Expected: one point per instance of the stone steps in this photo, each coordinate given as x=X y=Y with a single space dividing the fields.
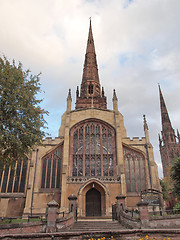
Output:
x=83 y=226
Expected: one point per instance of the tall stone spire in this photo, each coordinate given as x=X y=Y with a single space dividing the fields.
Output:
x=169 y=147
x=90 y=85
x=90 y=71
x=166 y=123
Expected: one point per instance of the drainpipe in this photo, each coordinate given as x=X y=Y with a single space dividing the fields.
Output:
x=32 y=198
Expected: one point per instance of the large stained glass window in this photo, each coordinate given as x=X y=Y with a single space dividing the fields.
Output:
x=135 y=170
x=51 y=168
x=93 y=149
x=13 y=179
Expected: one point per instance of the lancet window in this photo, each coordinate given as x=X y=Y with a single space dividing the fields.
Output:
x=93 y=149
x=90 y=89
x=135 y=170
x=13 y=178
x=51 y=168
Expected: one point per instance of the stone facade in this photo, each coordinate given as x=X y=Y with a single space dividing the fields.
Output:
x=91 y=158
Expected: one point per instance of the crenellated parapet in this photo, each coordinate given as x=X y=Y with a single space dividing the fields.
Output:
x=134 y=140
x=52 y=141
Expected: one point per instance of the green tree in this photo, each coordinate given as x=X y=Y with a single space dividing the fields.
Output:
x=21 y=117
x=165 y=185
x=175 y=175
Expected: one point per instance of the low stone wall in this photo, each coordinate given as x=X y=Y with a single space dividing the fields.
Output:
x=118 y=235
x=20 y=228
x=35 y=227
x=169 y=221
x=128 y=221
x=66 y=222
x=145 y=221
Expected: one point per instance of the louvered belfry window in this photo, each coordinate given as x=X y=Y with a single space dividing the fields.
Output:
x=135 y=170
x=51 y=168
x=92 y=149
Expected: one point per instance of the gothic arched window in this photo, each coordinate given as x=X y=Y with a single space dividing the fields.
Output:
x=135 y=170
x=13 y=179
x=93 y=149
x=51 y=168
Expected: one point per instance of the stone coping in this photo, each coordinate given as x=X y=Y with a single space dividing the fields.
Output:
x=12 y=195
x=66 y=234
x=20 y=225
x=177 y=216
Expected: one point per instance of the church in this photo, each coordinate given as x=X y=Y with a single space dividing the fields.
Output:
x=92 y=158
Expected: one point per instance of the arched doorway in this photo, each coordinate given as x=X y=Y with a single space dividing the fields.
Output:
x=93 y=203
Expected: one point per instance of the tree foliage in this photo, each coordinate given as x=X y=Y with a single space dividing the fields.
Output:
x=165 y=185
x=21 y=117
x=175 y=175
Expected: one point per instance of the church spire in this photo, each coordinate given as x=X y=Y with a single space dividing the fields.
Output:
x=90 y=71
x=166 y=123
x=90 y=85
x=169 y=148
x=90 y=43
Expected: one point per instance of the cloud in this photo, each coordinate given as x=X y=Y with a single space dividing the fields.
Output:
x=137 y=46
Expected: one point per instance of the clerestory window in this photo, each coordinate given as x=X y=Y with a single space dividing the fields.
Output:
x=93 y=149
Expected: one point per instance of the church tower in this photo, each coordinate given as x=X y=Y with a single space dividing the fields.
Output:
x=169 y=143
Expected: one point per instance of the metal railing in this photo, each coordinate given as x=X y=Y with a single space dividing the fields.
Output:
x=133 y=213
x=164 y=212
x=66 y=213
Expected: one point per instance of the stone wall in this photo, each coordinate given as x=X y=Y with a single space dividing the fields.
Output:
x=172 y=221
x=118 y=235
x=12 y=205
x=128 y=221
x=22 y=228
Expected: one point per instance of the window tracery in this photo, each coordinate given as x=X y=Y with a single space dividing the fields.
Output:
x=13 y=179
x=135 y=170
x=51 y=168
x=93 y=149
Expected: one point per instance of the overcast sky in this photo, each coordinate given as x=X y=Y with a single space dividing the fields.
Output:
x=137 y=46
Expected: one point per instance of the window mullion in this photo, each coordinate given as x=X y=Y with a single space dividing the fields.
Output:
x=7 y=182
x=135 y=173
x=57 y=159
x=101 y=150
x=95 y=155
x=14 y=176
x=84 y=148
x=77 y=159
x=2 y=176
x=22 y=162
x=46 y=172
x=107 y=150
x=130 y=172
x=50 y=181
x=90 y=149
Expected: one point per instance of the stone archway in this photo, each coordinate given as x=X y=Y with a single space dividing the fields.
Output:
x=93 y=188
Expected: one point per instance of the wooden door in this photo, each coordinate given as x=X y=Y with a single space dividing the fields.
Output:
x=93 y=203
